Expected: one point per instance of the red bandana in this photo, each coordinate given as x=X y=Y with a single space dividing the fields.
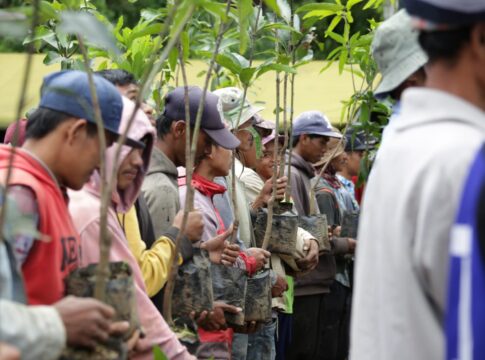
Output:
x=207 y=187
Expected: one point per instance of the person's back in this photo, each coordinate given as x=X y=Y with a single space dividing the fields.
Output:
x=411 y=202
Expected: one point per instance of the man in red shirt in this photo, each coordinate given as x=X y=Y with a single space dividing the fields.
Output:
x=61 y=151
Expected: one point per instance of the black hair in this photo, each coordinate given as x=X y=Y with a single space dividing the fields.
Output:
x=444 y=45
x=117 y=77
x=163 y=125
x=296 y=138
x=43 y=121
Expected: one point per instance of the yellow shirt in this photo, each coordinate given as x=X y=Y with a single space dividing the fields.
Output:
x=154 y=262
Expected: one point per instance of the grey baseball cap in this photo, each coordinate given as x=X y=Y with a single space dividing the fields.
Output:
x=231 y=99
x=314 y=123
x=445 y=14
x=396 y=51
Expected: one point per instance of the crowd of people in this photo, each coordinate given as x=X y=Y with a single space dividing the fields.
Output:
x=416 y=288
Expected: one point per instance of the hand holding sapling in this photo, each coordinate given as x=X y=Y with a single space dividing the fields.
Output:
x=220 y=252
x=266 y=192
x=86 y=320
x=262 y=256
x=194 y=227
x=310 y=261
x=279 y=287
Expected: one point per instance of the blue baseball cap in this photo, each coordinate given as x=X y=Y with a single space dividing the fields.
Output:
x=445 y=14
x=68 y=92
x=314 y=123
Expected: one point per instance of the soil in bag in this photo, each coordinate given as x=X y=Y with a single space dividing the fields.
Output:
x=258 y=297
x=283 y=232
x=120 y=294
x=193 y=288
x=317 y=225
x=350 y=224
x=229 y=285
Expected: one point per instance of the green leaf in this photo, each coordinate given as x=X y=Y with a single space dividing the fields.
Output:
x=280 y=8
x=245 y=10
x=346 y=32
x=52 y=58
x=173 y=58
x=276 y=67
x=185 y=42
x=351 y=3
x=321 y=14
x=85 y=24
x=47 y=11
x=335 y=21
x=343 y=60
x=320 y=6
x=338 y=38
x=229 y=62
x=158 y=354
x=150 y=15
x=246 y=75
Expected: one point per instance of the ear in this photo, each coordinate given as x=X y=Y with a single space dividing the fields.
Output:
x=304 y=138
x=75 y=130
x=478 y=40
x=178 y=129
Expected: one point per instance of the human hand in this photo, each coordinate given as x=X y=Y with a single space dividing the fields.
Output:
x=262 y=256
x=249 y=327
x=266 y=192
x=334 y=231
x=194 y=227
x=9 y=352
x=279 y=287
x=220 y=251
x=215 y=320
x=310 y=261
x=87 y=321
x=352 y=245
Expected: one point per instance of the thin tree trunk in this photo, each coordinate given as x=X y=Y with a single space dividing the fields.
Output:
x=20 y=107
x=190 y=156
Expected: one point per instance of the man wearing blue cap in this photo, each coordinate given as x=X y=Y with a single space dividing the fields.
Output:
x=61 y=151
x=311 y=339
x=412 y=198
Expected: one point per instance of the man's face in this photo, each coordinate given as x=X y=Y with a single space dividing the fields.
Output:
x=220 y=160
x=80 y=154
x=245 y=137
x=131 y=92
x=179 y=135
x=339 y=162
x=313 y=148
x=264 y=166
x=130 y=168
x=354 y=159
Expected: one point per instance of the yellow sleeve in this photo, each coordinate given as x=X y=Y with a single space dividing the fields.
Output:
x=154 y=262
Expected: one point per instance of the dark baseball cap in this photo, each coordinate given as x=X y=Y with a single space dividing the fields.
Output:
x=445 y=14
x=69 y=92
x=211 y=121
x=314 y=123
x=356 y=141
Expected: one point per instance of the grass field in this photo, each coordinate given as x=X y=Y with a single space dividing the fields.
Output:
x=314 y=91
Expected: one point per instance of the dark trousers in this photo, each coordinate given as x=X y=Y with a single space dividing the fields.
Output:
x=321 y=326
x=283 y=335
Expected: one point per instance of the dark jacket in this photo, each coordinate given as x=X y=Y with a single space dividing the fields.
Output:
x=319 y=280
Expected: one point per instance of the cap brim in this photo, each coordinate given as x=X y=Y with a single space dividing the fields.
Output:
x=223 y=137
x=331 y=134
x=400 y=73
x=128 y=142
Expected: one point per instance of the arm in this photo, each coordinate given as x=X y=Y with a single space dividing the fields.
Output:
x=154 y=262
x=37 y=331
x=163 y=205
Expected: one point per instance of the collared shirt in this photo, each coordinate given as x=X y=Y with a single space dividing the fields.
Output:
x=410 y=205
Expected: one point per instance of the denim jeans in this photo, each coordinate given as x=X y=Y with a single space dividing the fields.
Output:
x=261 y=344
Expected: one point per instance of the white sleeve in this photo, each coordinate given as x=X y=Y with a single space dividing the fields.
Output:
x=36 y=331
